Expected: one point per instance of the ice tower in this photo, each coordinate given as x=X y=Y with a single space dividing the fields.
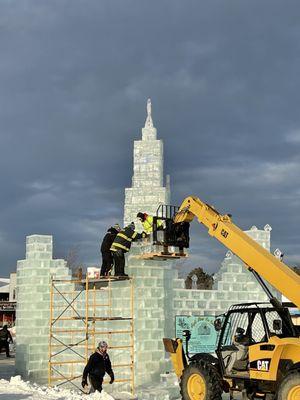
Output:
x=148 y=188
x=33 y=306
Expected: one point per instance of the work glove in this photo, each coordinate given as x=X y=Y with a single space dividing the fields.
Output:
x=144 y=235
x=84 y=384
x=112 y=378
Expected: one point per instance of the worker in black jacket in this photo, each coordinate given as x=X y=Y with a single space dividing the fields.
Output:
x=98 y=364
x=107 y=258
x=121 y=245
x=5 y=337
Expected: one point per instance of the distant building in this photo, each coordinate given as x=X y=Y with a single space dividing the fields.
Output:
x=8 y=300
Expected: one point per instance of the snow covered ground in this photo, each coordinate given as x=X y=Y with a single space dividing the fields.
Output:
x=16 y=389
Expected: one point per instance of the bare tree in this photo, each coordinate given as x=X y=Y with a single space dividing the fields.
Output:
x=73 y=260
x=205 y=281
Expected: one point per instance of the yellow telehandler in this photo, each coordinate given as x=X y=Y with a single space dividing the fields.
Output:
x=258 y=349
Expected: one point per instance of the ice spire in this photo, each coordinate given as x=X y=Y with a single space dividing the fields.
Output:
x=149 y=131
x=149 y=122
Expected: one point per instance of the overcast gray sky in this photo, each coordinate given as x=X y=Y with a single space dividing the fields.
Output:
x=74 y=79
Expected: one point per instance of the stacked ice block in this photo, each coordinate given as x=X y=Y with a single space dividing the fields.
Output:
x=153 y=282
x=33 y=306
x=233 y=284
x=148 y=189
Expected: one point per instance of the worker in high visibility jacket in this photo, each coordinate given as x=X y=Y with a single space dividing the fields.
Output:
x=121 y=245
x=147 y=222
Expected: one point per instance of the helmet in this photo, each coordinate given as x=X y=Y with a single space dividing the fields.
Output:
x=141 y=216
x=102 y=344
x=132 y=225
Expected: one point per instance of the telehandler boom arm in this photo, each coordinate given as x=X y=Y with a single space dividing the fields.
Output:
x=256 y=258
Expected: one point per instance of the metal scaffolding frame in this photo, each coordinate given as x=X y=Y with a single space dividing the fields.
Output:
x=74 y=332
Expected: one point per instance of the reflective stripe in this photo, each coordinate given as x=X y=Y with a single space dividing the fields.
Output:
x=123 y=240
x=119 y=246
x=134 y=235
x=125 y=237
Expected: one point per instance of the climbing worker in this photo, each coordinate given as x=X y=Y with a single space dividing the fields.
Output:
x=98 y=364
x=107 y=258
x=147 y=222
x=121 y=245
x=5 y=337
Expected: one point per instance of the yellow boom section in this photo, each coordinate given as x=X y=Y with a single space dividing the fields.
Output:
x=274 y=271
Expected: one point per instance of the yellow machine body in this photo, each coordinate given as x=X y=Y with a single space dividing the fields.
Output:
x=268 y=361
x=174 y=347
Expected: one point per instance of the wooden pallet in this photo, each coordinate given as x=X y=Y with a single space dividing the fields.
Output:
x=161 y=256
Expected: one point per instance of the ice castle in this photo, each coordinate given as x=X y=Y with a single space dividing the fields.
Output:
x=159 y=295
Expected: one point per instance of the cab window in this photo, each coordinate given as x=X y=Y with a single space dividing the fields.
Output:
x=235 y=321
x=258 y=333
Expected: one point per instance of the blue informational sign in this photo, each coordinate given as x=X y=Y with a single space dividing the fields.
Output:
x=203 y=334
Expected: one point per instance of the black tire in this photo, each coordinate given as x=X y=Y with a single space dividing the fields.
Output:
x=289 y=386
x=207 y=374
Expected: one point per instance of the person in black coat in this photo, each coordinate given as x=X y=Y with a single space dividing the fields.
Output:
x=98 y=364
x=5 y=337
x=107 y=258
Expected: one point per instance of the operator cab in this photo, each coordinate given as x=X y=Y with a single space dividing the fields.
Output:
x=246 y=328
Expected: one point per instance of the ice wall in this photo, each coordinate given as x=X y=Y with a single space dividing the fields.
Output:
x=159 y=295
x=153 y=300
x=33 y=306
x=233 y=283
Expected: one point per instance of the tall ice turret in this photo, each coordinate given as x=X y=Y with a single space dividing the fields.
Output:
x=148 y=189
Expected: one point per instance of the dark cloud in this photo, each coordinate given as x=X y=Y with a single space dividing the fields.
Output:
x=74 y=78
